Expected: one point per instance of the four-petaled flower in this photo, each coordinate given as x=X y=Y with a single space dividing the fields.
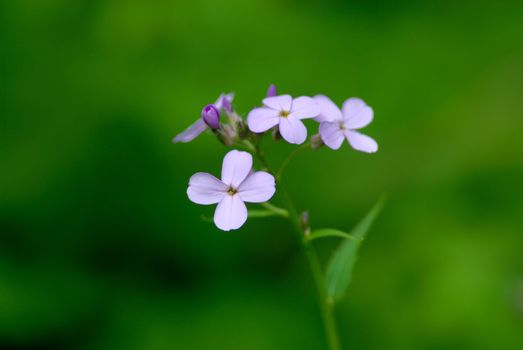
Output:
x=336 y=124
x=285 y=112
x=238 y=184
x=222 y=103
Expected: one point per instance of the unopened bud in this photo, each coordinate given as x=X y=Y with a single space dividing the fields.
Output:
x=316 y=141
x=226 y=104
x=229 y=135
x=304 y=222
x=211 y=116
x=272 y=91
x=234 y=118
x=243 y=131
x=225 y=135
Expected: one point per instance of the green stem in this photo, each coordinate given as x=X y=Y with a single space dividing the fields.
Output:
x=276 y=210
x=291 y=156
x=326 y=307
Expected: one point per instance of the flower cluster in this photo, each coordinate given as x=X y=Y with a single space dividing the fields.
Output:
x=283 y=115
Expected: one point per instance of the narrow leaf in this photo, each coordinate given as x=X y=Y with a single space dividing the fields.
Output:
x=328 y=232
x=339 y=269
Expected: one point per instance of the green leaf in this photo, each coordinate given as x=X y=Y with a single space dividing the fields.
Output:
x=328 y=232
x=339 y=269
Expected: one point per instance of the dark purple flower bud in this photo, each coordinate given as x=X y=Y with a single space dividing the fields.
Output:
x=272 y=91
x=211 y=116
x=304 y=222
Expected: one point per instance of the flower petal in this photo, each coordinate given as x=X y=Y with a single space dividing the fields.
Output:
x=257 y=187
x=235 y=168
x=356 y=113
x=361 y=142
x=231 y=213
x=205 y=189
x=331 y=134
x=191 y=132
x=279 y=103
x=328 y=110
x=305 y=107
x=292 y=130
x=262 y=119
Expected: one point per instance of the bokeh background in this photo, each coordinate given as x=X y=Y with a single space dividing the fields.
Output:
x=100 y=248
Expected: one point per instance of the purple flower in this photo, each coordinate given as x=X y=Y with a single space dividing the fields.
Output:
x=285 y=112
x=239 y=184
x=271 y=92
x=336 y=124
x=211 y=116
x=200 y=126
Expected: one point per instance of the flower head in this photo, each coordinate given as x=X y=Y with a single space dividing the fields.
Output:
x=337 y=125
x=238 y=184
x=285 y=112
x=222 y=103
x=211 y=116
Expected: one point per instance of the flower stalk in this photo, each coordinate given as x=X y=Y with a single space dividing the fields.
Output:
x=291 y=156
x=326 y=306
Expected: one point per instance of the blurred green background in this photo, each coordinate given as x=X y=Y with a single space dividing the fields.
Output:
x=101 y=249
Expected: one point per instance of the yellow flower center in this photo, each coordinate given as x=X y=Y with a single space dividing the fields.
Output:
x=284 y=114
x=231 y=191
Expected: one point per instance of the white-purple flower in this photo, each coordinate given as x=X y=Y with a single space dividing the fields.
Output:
x=238 y=184
x=337 y=125
x=222 y=103
x=285 y=112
